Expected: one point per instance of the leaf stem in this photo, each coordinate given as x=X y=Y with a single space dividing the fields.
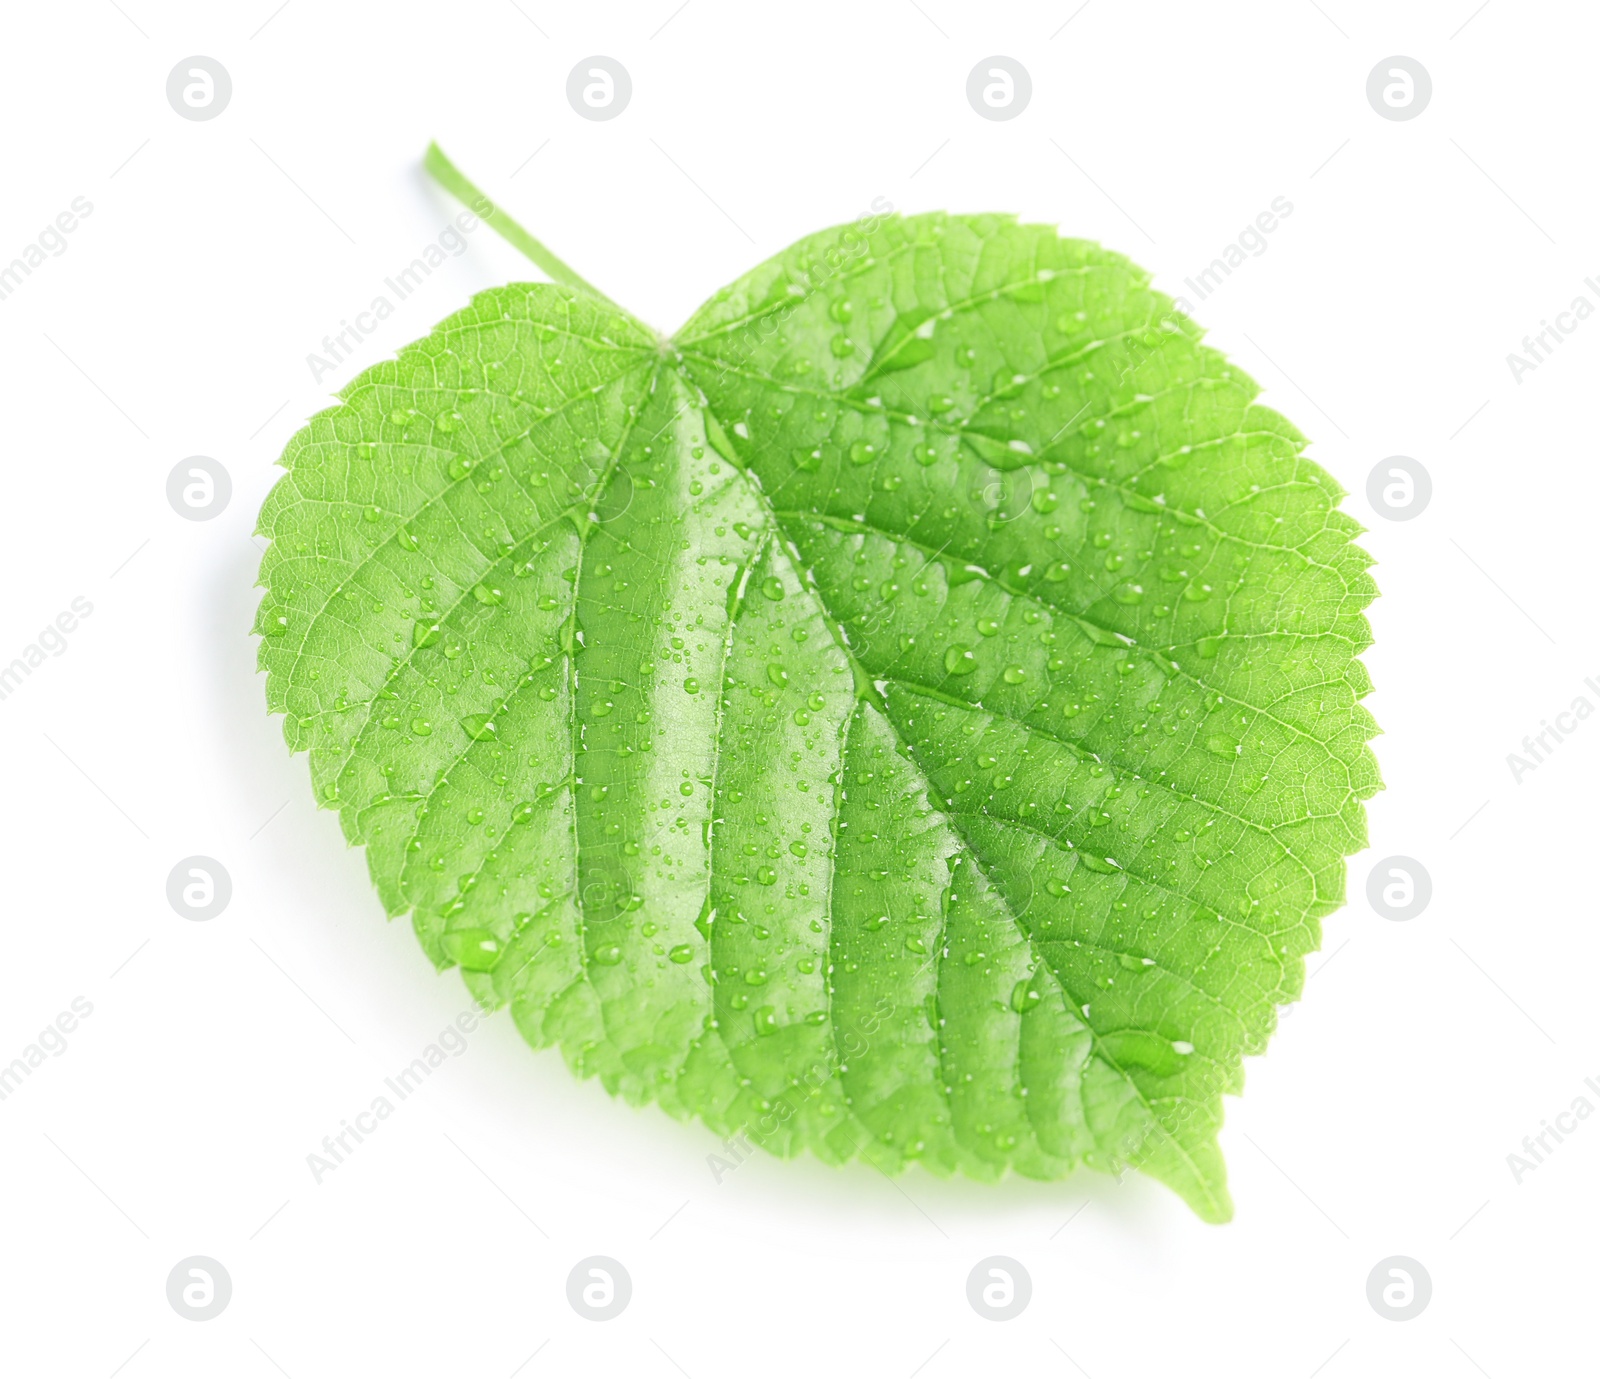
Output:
x=454 y=181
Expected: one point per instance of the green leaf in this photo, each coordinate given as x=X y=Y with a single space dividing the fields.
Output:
x=912 y=714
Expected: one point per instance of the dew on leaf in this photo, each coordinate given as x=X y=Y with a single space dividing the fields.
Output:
x=931 y=838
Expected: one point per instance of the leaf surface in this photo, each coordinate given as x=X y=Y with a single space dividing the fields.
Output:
x=913 y=714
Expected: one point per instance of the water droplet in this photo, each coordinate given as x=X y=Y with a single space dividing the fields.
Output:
x=477 y=950
x=772 y=588
x=680 y=953
x=1140 y=1049
x=424 y=633
x=479 y=727
x=778 y=675
x=488 y=594
x=1024 y=996
x=691 y=686
x=863 y=452
x=959 y=660
x=1223 y=746
x=608 y=956
x=1014 y=675
x=421 y=727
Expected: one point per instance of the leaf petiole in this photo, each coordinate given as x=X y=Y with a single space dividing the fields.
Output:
x=454 y=181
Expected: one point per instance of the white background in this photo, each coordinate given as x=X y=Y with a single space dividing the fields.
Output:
x=219 y=1054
